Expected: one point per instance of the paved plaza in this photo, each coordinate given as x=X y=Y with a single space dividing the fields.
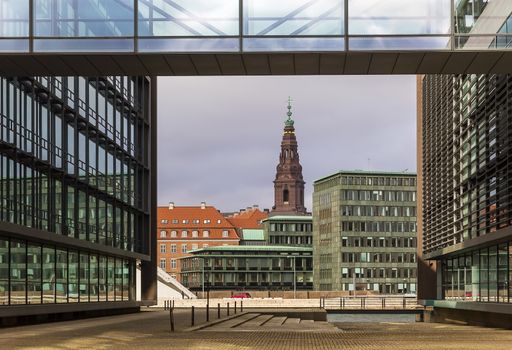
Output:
x=150 y=330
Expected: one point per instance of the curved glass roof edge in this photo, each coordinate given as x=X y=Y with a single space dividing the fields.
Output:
x=253 y=26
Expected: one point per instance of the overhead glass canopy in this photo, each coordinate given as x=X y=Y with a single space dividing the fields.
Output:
x=160 y=26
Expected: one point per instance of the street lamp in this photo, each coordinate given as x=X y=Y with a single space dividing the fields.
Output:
x=294 y=276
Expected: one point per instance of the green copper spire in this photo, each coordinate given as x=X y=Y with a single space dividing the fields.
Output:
x=289 y=121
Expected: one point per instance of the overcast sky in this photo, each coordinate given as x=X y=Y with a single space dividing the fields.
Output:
x=219 y=137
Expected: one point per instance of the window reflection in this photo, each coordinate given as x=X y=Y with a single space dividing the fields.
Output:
x=483 y=275
x=188 y=18
x=18 y=273
x=293 y=17
x=377 y=17
x=43 y=274
x=84 y=18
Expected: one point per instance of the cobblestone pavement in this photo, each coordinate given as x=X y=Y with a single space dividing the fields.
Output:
x=150 y=330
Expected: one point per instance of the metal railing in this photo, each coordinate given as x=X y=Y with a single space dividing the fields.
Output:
x=370 y=303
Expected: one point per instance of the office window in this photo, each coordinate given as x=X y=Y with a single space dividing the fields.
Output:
x=195 y=234
x=174 y=234
x=183 y=248
x=162 y=263
x=196 y=221
x=164 y=221
x=184 y=234
x=206 y=233
x=162 y=248
x=175 y=221
x=173 y=263
x=225 y=234
x=163 y=234
x=195 y=246
x=173 y=248
x=184 y=221
x=206 y=221
x=219 y=221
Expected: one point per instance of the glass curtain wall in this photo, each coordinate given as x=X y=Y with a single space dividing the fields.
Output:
x=93 y=140
x=483 y=275
x=46 y=274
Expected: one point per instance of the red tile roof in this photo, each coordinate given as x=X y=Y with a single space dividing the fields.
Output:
x=248 y=219
x=195 y=218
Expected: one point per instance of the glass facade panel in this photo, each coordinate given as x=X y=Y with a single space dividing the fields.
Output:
x=62 y=276
x=4 y=271
x=14 y=18
x=376 y=17
x=44 y=274
x=93 y=278
x=84 y=18
x=18 y=283
x=118 y=279
x=110 y=279
x=49 y=275
x=188 y=18
x=73 y=287
x=481 y=275
x=293 y=17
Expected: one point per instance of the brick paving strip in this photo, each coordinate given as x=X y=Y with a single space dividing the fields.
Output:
x=150 y=330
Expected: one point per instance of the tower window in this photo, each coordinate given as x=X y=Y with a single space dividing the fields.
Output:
x=286 y=196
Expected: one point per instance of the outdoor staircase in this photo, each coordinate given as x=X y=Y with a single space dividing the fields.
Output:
x=254 y=322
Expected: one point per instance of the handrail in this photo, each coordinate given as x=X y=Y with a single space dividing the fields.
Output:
x=389 y=302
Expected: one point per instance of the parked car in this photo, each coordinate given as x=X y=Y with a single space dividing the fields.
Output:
x=243 y=295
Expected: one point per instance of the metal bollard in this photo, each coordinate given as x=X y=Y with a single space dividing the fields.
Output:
x=192 y=320
x=171 y=318
x=207 y=312
x=228 y=308
x=241 y=306
x=218 y=311
x=235 y=307
x=404 y=303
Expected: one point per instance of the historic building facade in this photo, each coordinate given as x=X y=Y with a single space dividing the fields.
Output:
x=77 y=190
x=467 y=202
x=182 y=229
x=364 y=232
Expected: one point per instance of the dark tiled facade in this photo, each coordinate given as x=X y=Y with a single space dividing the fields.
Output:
x=467 y=188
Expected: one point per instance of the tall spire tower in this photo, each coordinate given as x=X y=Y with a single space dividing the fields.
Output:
x=289 y=184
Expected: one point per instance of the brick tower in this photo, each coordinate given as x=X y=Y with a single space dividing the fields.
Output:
x=289 y=184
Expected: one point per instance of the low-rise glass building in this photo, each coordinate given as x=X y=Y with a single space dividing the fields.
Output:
x=248 y=267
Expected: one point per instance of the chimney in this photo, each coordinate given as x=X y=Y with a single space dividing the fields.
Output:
x=203 y=205
x=255 y=206
x=171 y=205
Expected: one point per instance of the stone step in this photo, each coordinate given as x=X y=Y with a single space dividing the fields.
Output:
x=292 y=321
x=232 y=323
x=275 y=322
x=256 y=322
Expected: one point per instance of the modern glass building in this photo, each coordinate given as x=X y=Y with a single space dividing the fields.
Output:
x=364 y=232
x=467 y=152
x=76 y=193
x=248 y=267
